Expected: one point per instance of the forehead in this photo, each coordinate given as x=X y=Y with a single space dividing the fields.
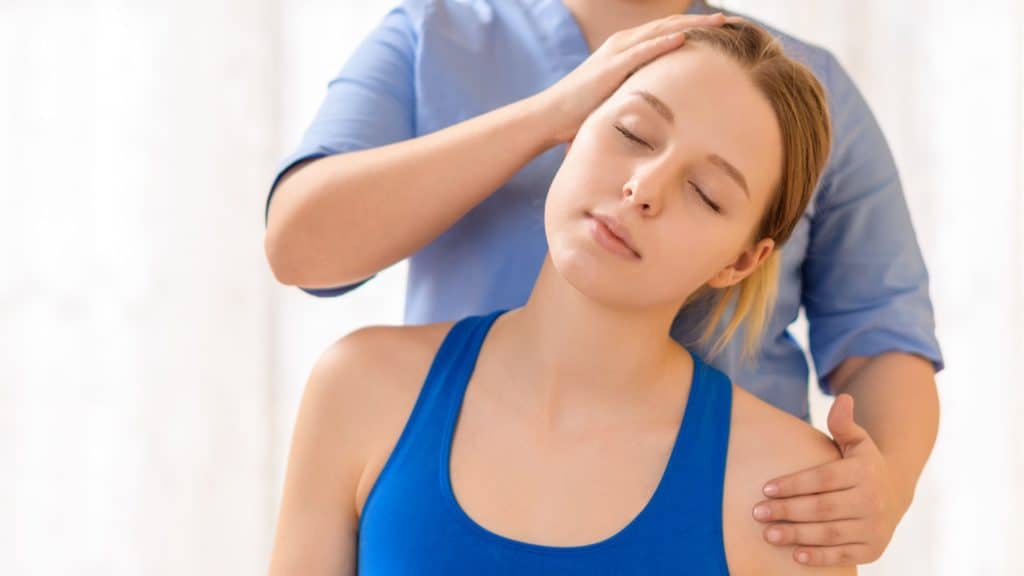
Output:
x=717 y=109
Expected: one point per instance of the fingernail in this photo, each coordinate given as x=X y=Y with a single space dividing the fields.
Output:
x=761 y=512
x=802 y=557
x=771 y=489
x=774 y=535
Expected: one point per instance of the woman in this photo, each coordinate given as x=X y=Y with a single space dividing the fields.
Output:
x=573 y=434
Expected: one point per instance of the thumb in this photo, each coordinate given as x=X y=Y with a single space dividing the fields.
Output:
x=841 y=425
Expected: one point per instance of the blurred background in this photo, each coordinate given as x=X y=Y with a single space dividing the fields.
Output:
x=151 y=366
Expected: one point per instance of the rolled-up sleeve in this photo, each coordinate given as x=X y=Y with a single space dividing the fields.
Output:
x=865 y=285
x=369 y=103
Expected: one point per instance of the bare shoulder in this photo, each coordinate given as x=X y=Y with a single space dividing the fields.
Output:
x=375 y=359
x=775 y=440
x=765 y=442
x=358 y=394
x=372 y=378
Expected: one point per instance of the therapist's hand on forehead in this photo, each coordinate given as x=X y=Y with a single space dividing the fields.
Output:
x=576 y=95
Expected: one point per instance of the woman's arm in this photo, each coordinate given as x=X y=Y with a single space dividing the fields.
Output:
x=317 y=523
x=342 y=218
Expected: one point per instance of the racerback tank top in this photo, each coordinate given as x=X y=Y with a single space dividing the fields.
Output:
x=411 y=522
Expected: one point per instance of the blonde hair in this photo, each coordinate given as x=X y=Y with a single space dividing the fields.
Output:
x=801 y=110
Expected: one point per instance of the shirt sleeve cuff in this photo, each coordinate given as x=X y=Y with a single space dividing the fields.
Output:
x=284 y=167
x=872 y=344
x=335 y=291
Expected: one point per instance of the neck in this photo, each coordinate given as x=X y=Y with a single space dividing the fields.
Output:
x=573 y=351
x=599 y=20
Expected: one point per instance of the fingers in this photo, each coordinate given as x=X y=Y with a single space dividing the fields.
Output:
x=846 y=555
x=667 y=25
x=835 y=475
x=677 y=22
x=648 y=50
x=816 y=508
x=814 y=534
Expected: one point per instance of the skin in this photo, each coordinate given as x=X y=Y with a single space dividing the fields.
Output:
x=548 y=442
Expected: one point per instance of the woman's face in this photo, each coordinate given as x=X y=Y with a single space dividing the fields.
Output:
x=685 y=134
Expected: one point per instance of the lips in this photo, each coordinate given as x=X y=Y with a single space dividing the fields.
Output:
x=617 y=231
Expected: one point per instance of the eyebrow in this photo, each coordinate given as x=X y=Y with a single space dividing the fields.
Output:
x=665 y=112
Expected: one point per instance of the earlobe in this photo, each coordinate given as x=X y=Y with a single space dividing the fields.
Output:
x=744 y=265
x=723 y=279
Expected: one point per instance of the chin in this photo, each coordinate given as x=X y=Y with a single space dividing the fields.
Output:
x=592 y=271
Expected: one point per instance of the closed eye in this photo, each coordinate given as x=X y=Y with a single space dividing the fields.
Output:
x=633 y=137
x=715 y=207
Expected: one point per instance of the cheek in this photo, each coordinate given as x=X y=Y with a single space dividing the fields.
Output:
x=563 y=207
x=690 y=251
x=559 y=199
x=586 y=177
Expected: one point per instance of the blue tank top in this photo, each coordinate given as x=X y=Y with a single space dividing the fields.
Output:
x=412 y=524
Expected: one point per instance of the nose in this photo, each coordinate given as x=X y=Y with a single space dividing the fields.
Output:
x=644 y=193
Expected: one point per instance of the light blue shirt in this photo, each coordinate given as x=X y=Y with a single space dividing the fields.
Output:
x=853 y=261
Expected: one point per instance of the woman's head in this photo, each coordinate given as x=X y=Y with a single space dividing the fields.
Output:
x=706 y=157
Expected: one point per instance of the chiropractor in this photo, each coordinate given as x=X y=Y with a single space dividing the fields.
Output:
x=437 y=142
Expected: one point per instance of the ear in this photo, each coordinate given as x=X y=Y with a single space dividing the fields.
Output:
x=744 y=265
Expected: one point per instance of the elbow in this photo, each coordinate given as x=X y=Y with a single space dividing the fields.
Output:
x=280 y=244
x=282 y=264
x=292 y=266
x=274 y=236
x=298 y=258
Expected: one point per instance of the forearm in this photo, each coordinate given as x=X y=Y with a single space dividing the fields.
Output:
x=897 y=402
x=345 y=217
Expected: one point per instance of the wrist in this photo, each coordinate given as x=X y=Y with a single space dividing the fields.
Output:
x=544 y=120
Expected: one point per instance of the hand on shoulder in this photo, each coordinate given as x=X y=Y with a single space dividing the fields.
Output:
x=766 y=442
